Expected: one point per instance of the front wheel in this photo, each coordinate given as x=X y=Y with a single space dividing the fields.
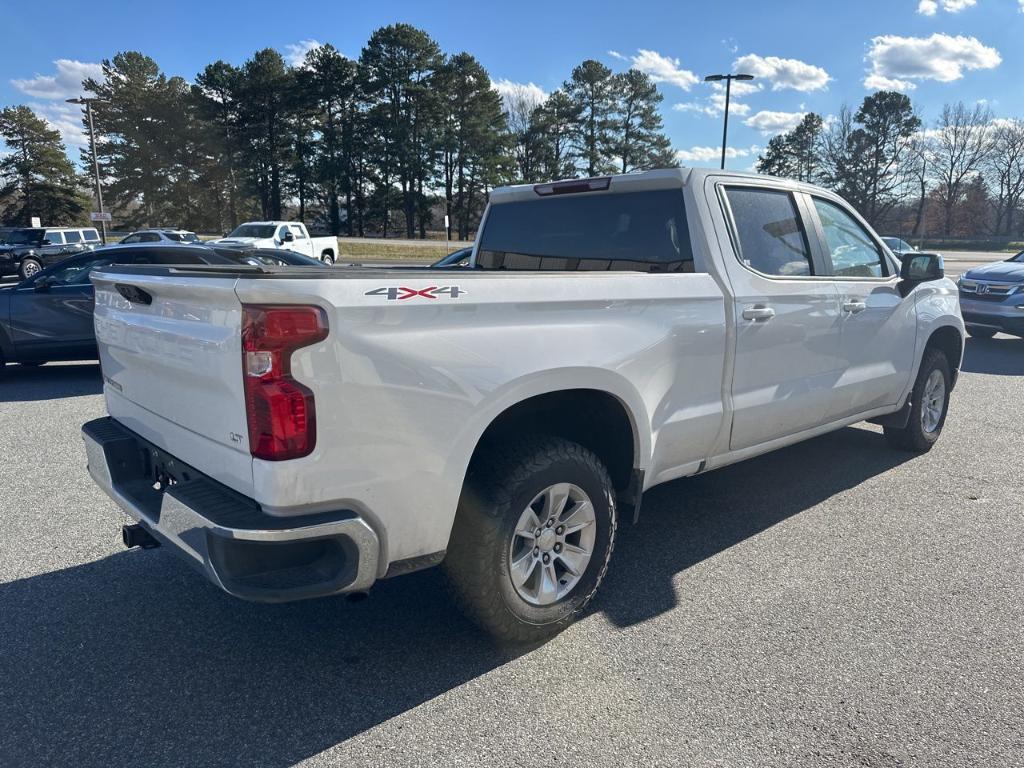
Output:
x=532 y=538
x=929 y=402
x=29 y=267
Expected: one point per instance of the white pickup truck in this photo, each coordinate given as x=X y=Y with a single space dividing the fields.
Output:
x=295 y=434
x=284 y=235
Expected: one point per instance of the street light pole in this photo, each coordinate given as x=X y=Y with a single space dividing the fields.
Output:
x=728 y=92
x=95 y=161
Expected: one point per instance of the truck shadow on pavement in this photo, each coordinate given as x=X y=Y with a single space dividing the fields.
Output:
x=998 y=356
x=20 y=384
x=133 y=659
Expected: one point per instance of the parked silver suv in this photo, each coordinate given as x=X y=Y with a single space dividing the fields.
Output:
x=992 y=298
x=178 y=236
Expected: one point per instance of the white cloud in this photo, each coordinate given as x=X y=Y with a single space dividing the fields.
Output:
x=295 y=53
x=529 y=94
x=67 y=120
x=715 y=104
x=783 y=73
x=895 y=60
x=929 y=7
x=65 y=83
x=663 y=69
x=621 y=57
x=882 y=83
x=695 y=106
x=707 y=154
x=769 y=123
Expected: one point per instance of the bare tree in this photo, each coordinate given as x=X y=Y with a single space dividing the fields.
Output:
x=520 y=103
x=957 y=152
x=1005 y=172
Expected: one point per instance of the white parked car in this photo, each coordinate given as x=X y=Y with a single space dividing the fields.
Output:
x=287 y=235
x=161 y=236
x=295 y=433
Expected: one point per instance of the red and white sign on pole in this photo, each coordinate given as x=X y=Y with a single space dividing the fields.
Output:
x=99 y=216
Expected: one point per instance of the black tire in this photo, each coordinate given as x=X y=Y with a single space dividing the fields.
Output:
x=327 y=258
x=914 y=437
x=498 y=490
x=980 y=333
x=28 y=268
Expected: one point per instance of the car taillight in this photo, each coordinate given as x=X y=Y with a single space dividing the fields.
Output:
x=280 y=411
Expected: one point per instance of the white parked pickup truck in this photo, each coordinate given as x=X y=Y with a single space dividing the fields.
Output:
x=296 y=434
x=285 y=235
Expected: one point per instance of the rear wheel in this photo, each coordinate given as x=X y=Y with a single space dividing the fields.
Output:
x=327 y=258
x=28 y=268
x=929 y=402
x=532 y=538
x=980 y=333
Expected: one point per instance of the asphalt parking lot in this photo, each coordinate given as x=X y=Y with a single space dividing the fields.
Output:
x=835 y=603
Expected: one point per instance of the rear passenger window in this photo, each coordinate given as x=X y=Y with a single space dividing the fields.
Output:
x=771 y=237
x=91 y=236
x=54 y=238
x=73 y=236
x=638 y=231
x=853 y=252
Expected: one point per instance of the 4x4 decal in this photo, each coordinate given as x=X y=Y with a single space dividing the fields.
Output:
x=401 y=293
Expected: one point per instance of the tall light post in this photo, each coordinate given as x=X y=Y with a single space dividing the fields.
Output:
x=728 y=89
x=95 y=161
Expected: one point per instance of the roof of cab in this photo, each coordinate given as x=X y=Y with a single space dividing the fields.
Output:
x=663 y=178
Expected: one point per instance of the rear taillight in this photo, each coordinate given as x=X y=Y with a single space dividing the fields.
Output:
x=280 y=411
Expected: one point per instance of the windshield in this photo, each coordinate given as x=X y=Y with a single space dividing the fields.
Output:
x=25 y=236
x=1018 y=258
x=254 y=230
x=183 y=237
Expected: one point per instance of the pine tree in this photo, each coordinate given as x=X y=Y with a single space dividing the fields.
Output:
x=555 y=124
x=796 y=154
x=36 y=177
x=473 y=132
x=638 y=141
x=591 y=89
x=399 y=65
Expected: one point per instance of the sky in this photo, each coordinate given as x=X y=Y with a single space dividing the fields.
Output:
x=806 y=56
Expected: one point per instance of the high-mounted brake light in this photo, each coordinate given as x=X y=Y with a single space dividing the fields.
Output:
x=281 y=412
x=569 y=187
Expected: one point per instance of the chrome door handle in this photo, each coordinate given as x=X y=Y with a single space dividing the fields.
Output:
x=758 y=313
x=854 y=306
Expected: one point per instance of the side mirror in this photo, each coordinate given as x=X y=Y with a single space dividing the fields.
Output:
x=289 y=237
x=921 y=267
x=42 y=285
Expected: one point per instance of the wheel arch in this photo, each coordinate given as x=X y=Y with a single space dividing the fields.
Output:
x=603 y=415
x=949 y=340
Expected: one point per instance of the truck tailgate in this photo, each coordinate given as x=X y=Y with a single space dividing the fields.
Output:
x=172 y=368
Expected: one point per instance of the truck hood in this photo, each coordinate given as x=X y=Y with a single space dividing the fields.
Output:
x=238 y=242
x=1008 y=271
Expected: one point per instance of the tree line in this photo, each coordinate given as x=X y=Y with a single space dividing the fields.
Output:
x=388 y=142
x=961 y=176
x=405 y=134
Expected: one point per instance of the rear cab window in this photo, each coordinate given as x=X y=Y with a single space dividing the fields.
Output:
x=600 y=231
x=770 y=235
x=91 y=235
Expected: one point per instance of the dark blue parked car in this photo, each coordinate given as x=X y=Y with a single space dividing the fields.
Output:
x=49 y=315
